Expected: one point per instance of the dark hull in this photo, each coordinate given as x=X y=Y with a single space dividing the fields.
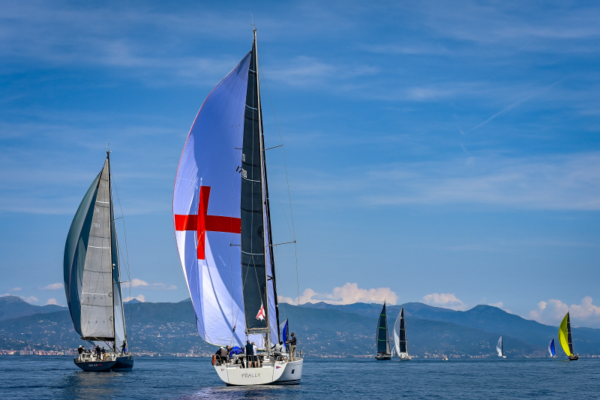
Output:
x=383 y=357
x=573 y=358
x=124 y=363
x=96 y=366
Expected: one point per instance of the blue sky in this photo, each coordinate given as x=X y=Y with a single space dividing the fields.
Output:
x=438 y=152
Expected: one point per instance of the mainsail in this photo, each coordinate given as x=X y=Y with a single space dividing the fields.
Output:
x=564 y=335
x=382 y=336
x=400 y=342
x=221 y=214
x=91 y=266
x=500 y=347
x=551 y=349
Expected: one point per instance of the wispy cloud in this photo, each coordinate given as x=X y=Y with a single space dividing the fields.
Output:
x=53 y=286
x=15 y=289
x=444 y=300
x=51 y=302
x=138 y=283
x=348 y=294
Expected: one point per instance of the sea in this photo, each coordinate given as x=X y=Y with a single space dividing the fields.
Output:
x=47 y=377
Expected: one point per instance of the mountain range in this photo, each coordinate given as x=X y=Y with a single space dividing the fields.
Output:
x=323 y=329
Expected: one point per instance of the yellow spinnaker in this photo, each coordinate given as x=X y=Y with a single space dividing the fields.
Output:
x=563 y=335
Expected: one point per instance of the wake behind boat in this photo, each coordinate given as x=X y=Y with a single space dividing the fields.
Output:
x=382 y=337
x=93 y=279
x=223 y=232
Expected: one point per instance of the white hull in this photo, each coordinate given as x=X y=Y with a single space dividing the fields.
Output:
x=278 y=373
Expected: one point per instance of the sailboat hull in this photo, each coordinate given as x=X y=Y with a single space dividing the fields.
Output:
x=279 y=373
x=573 y=358
x=383 y=357
x=124 y=363
x=95 y=366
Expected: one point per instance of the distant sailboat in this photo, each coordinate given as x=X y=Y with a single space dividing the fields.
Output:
x=382 y=337
x=565 y=339
x=93 y=278
x=400 y=343
x=551 y=349
x=222 y=222
x=500 y=347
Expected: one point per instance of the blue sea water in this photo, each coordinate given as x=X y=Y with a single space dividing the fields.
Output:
x=37 y=377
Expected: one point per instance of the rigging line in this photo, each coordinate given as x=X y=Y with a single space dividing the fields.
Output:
x=289 y=193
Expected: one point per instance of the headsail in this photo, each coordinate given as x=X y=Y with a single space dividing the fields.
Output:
x=564 y=335
x=221 y=215
x=91 y=266
x=500 y=347
x=551 y=349
x=382 y=336
x=400 y=342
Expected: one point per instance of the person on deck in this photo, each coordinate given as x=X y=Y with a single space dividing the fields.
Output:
x=292 y=343
x=256 y=356
x=124 y=347
x=97 y=350
x=249 y=354
x=277 y=349
x=223 y=354
x=103 y=353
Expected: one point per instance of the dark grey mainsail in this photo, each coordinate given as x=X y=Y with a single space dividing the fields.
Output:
x=570 y=339
x=402 y=345
x=255 y=219
x=383 y=337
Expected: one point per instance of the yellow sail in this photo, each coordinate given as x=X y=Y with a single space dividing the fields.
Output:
x=563 y=335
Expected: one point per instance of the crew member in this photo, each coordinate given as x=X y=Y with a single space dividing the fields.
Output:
x=292 y=343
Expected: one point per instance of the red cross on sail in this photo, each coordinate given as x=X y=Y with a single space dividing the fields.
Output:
x=261 y=313
x=202 y=222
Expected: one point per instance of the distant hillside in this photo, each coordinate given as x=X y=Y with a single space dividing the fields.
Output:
x=484 y=318
x=322 y=330
x=14 y=307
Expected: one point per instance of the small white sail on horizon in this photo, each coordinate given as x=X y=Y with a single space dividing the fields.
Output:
x=500 y=347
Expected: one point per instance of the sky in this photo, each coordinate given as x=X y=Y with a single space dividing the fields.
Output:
x=436 y=151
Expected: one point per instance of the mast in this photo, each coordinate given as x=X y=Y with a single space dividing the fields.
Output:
x=112 y=250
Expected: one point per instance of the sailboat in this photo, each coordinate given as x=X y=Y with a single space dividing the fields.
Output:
x=382 y=337
x=400 y=344
x=551 y=349
x=565 y=338
x=223 y=231
x=93 y=278
x=500 y=347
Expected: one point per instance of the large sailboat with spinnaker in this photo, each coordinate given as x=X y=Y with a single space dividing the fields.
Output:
x=93 y=278
x=223 y=231
x=566 y=339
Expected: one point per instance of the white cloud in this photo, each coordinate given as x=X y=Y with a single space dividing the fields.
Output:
x=30 y=299
x=444 y=300
x=138 y=298
x=16 y=289
x=54 y=286
x=553 y=311
x=138 y=283
x=347 y=294
x=51 y=302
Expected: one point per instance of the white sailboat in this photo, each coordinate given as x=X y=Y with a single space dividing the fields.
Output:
x=223 y=231
x=93 y=278
x=500 y=347
x=400 y=343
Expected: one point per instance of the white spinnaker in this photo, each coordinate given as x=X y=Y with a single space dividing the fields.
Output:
x=96 y=294
x=212 y=158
